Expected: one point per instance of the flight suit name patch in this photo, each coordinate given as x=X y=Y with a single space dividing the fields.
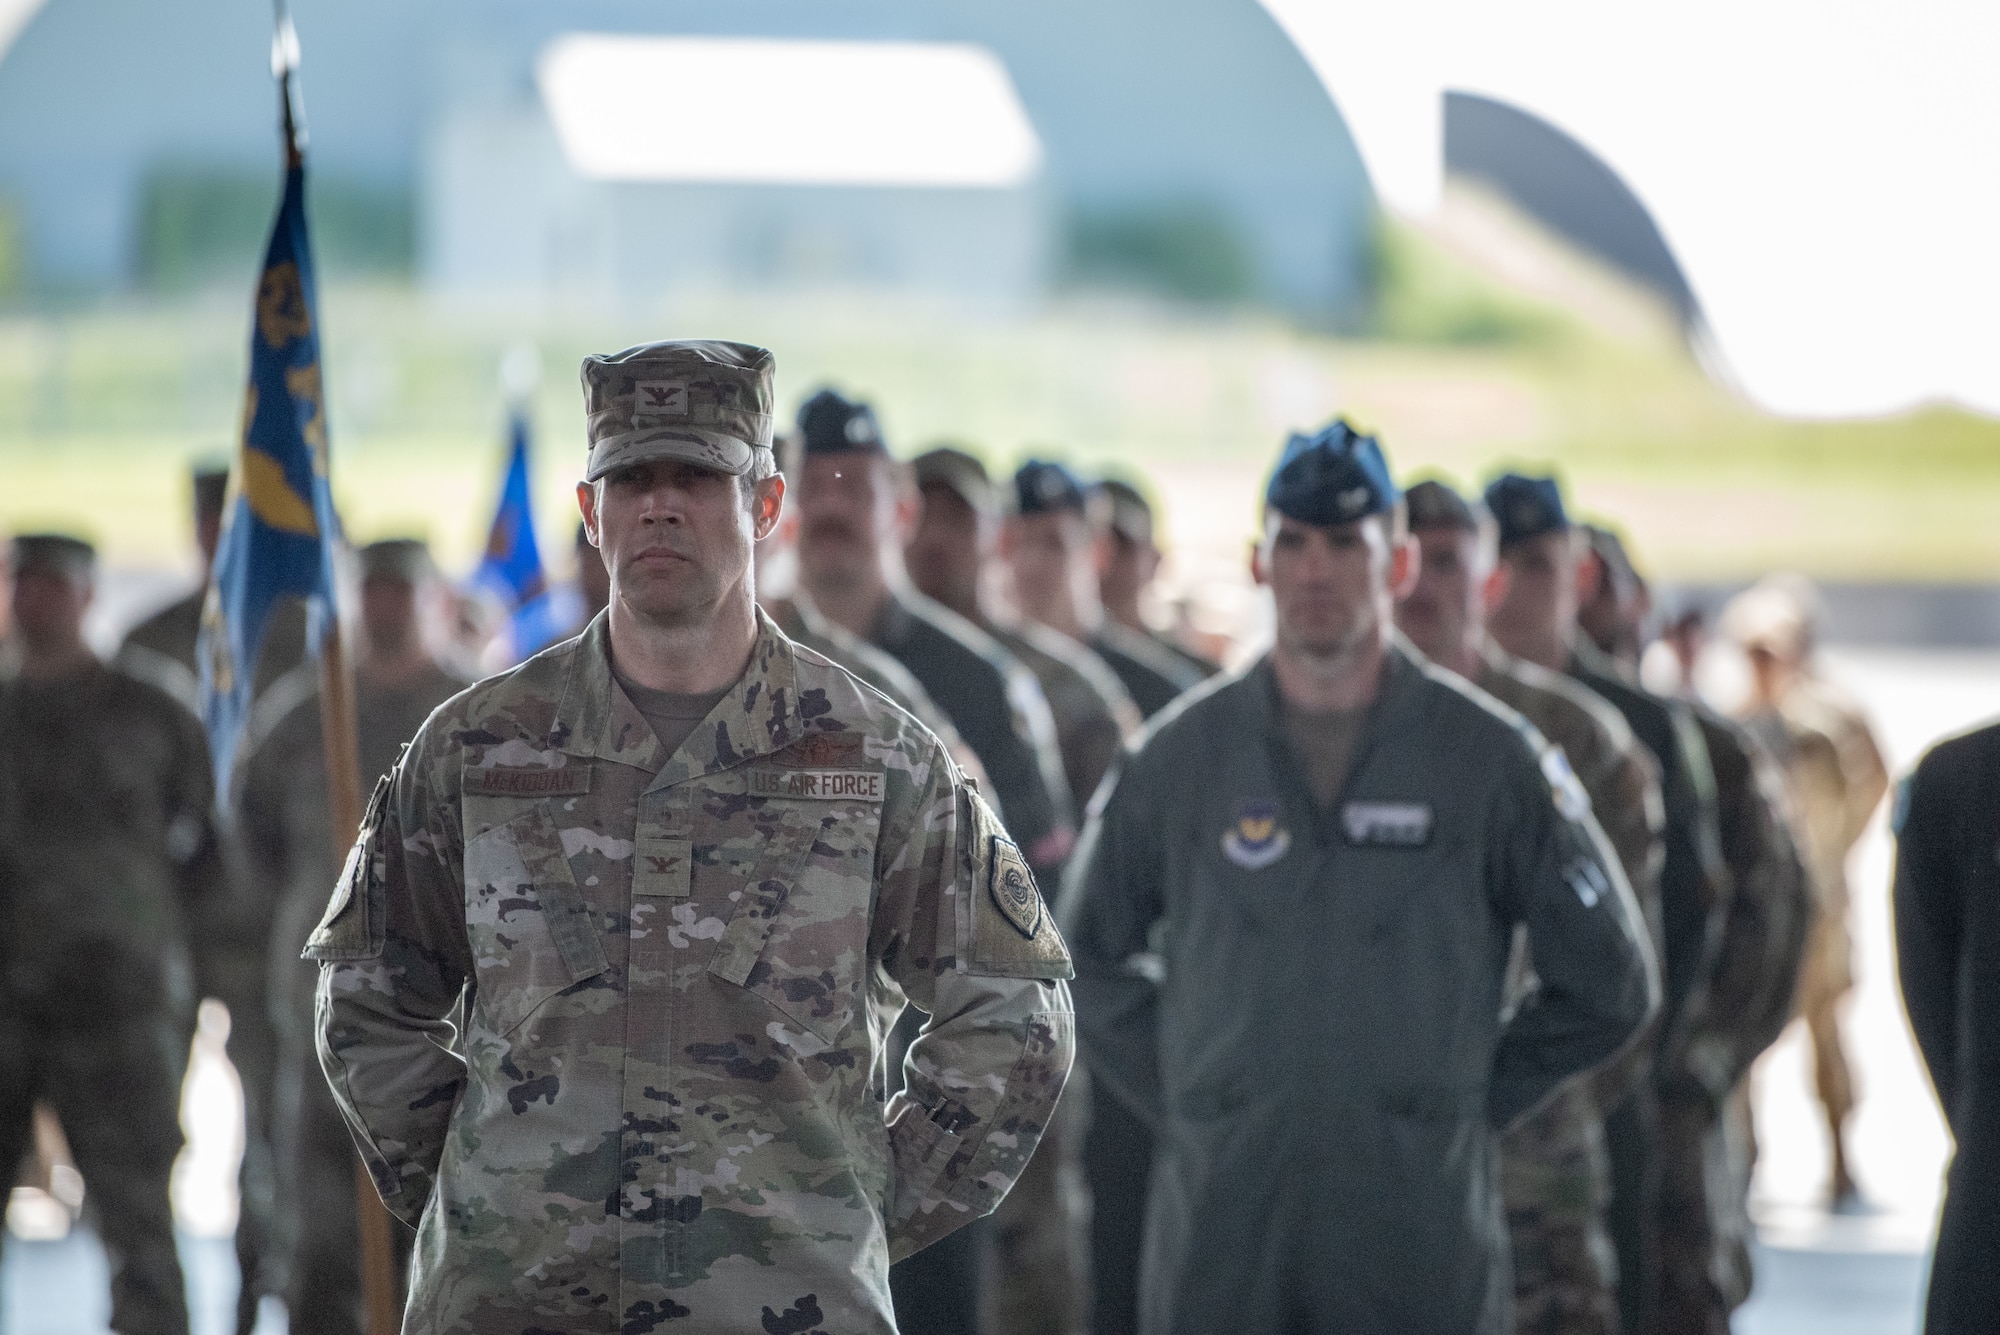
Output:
x=1256 y=840
x=1387 y=824
x=859 y=785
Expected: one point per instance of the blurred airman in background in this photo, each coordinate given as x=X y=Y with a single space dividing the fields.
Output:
x=282 y=809
x=1128 y=560
x=112 y=865
x=1837 y=777
x=1555 y=1176
x=1049 y=542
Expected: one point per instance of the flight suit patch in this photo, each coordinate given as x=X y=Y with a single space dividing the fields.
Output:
x=1256 y=840
x=1387 y=824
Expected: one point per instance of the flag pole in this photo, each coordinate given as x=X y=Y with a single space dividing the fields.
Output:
x=340 y=741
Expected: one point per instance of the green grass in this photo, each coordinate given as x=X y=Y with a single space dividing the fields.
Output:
x=101 y=409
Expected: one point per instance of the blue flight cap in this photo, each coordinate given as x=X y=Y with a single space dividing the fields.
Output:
x=832 y=423
x=1336 y=477
x=1042 y=487
x=1526 y=507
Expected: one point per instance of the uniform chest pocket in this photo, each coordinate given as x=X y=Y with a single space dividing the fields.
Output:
x=530 y=928
x=799 y=934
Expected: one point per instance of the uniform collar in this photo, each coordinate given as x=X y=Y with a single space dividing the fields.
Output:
x=1398 y=699
x=760 y=714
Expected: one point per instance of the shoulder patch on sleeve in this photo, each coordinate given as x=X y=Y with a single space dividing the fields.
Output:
x=1571 y=799
x=355 y=924
x=1012 y=934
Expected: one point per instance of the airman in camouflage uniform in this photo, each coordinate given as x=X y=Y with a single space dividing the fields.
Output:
x=679 y=962
x=1554 y=1173
x=1049 y=544
x=1128 y=560
x=1836 y=777
x=948 y=554
x=230 y=960
x=1737 y=1007
x=112 y=863
x=1039 y=1283
x=1536 y=619
x=282 y=816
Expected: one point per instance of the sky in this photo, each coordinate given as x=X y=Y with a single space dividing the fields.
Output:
x=1827 y=172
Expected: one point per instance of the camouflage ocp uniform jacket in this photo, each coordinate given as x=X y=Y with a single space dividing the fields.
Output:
x=669 y=1099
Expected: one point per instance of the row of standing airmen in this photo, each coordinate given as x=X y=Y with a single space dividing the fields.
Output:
x=1625 y=1194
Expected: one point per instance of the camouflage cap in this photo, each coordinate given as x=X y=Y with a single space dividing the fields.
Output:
x=961 y=473
x=397 y=558
x=1779 y=613
x=708 y=403
x=53 y=554
x=1435 y=504
x=1127 y=512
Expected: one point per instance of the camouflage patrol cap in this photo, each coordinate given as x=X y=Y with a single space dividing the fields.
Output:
x=1126 y=511
x=1336 y=477
x=1435 y=504
x=52 y=554
x=397 y=558
x=708 y=403
x=1526 y=507
x=952 y=468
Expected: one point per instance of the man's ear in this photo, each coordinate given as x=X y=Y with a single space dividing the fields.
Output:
x=1497 y=581
x=767 y=507
x=1260 y=569
x=1406 y=562
x=586 y=504
x=1589 y=576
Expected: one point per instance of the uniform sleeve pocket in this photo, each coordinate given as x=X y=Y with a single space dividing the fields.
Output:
x=799 y=934
x=355 y=926
x=532 y=934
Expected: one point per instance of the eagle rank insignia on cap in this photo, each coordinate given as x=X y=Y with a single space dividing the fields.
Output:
x=1256 y=839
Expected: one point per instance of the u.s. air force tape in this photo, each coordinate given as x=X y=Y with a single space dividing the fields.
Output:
x=859 y=785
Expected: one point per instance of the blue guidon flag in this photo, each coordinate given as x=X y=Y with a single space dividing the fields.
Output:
x=512 y=567
x=279 y=522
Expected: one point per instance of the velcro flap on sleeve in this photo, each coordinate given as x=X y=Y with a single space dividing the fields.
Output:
x=1008 y=929
x=354 y=926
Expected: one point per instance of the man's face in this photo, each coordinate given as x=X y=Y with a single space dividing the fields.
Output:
x=1447 y=600
x=1540 y=603
x=676 y=537
x=49 y=607
x=946 y=548
x=847 y=512
x=389 y=613
x=1047 y=551
x=1331 y=585
x=1124 y=567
